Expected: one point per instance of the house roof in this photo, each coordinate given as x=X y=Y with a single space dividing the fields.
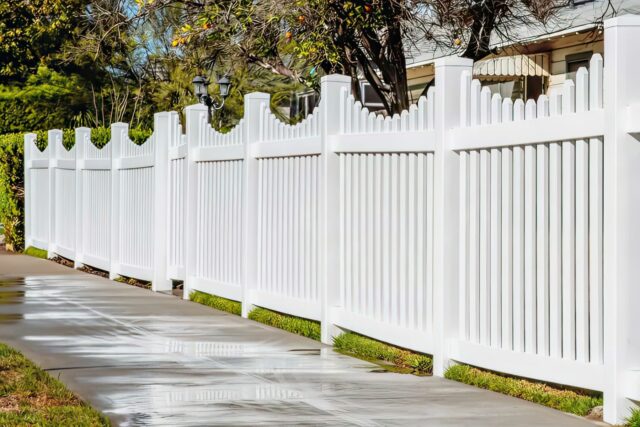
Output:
x=579 y=17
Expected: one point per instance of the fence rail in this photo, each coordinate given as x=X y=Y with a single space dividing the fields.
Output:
x=483 y=231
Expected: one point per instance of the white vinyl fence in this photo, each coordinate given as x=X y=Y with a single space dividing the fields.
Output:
x=500 y=234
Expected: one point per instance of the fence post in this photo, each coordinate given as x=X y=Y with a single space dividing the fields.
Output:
x=446 y=202
x=54 y=140
x=331 y=88
x=119 y=131
x=196 y=116
x=29 y=142
x=83 y=137
x=621 y=211
x=253 y=104
x=162 y=132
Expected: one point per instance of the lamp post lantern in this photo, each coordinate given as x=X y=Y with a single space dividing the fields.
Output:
x=200 y=89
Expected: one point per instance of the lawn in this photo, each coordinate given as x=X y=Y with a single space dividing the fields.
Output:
x=29 y=396
x=214 y=301
x=397 y=359
x=572 y=401
x=35 y=252
x=297 y=325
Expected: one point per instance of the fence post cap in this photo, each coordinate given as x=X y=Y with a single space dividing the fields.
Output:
x=337 y=78
x=453 y=61
x=257 y=95
x=623 y=21
x=196 y=107
x=162 y=114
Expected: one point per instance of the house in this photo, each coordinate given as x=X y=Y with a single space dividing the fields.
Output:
x=537 y=62
x=542 y=57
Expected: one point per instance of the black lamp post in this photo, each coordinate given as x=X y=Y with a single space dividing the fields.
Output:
x=200 y=88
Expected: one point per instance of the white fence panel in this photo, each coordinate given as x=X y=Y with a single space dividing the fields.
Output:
x=37 y=183
x=386 y=223
x=177 y=203
x=288 y=252
x=531 y=230
x=219 y=215
x=94 y=199
x=218 y=185
x=64 y=202
x=288 y=255
x=133 y=178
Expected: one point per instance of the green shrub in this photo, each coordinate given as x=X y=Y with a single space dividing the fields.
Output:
x=68 y=138
x=12 y=189
x=101 y=136
x=35 y=252
x=297 y=325
x=219 y=303
x=571 y=401
x=634 y=418
x=46 y=100
x=369 y=349
x=139 y=136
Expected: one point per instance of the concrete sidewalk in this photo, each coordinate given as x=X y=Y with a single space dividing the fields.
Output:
x=151 y=359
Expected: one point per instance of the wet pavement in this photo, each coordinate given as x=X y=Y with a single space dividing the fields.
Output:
x=151 y=359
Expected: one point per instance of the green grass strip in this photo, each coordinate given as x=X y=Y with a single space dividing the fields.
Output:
x=297 y=325
x=219 y=303
x=562 y=399
x=29 y=396
x=366 y=348
x=35 y=252
x=634 y=418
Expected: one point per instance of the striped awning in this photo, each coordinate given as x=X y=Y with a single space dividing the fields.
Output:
x=512 y=66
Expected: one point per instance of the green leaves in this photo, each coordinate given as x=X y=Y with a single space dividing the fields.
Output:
x=12 y=189
x=297 y=325
x=563 y=399
x=369 y=349
x=33 y=32
x=47 y=100
x=219 y=303
x=634 y=418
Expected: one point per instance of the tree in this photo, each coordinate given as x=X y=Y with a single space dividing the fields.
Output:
x=301 y=40
x=33 y=32
x=366 y=38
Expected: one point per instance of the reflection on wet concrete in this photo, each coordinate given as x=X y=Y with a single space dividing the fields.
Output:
x=150 y=359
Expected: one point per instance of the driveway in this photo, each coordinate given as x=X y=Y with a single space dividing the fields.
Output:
x=151 y=359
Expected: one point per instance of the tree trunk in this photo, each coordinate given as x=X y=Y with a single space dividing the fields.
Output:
x=484 y=15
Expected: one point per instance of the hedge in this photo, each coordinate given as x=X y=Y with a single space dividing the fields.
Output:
x=47 y=100
x=12 y=175
x=12 y=190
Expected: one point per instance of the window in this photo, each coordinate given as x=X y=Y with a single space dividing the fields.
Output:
x=521 y=87
x=303 y=104
x=370 y=98
x=575 y=62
